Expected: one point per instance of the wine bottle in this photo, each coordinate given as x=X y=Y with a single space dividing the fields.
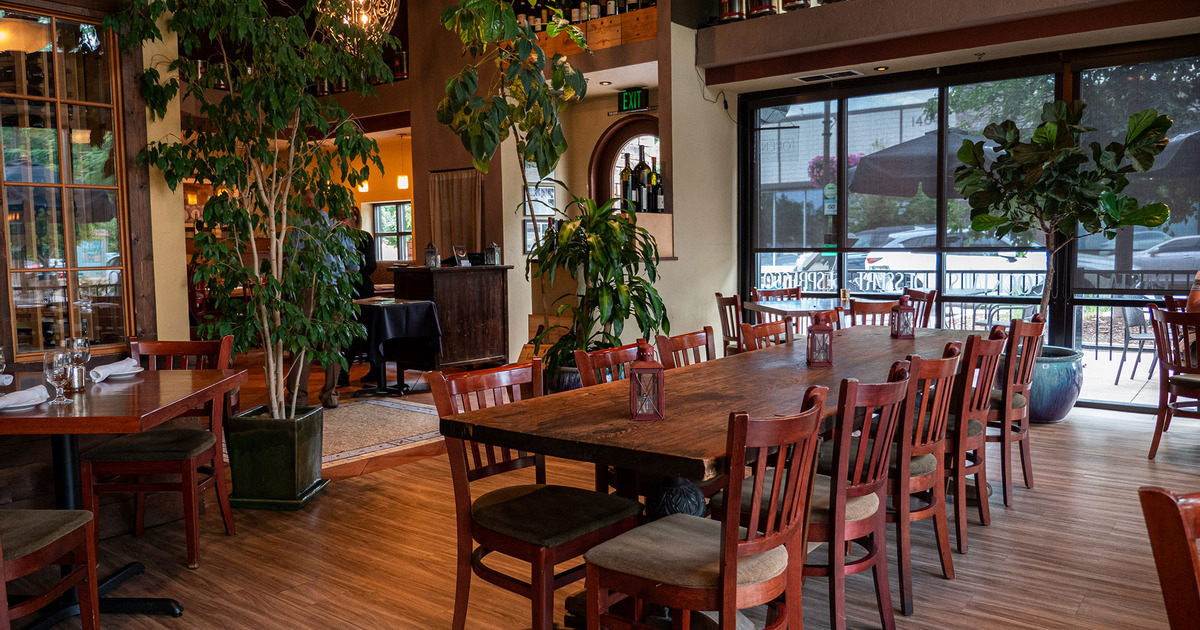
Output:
x=594 y=10
x=575 y=17
x=522 y=11
x=632 y=5
x=1193 y=301
x=610 y=8
x=626 y=186
x=641 y=179
x=656 y=192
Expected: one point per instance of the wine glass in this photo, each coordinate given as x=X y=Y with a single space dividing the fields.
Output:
x=2 y=363
x=56 y=365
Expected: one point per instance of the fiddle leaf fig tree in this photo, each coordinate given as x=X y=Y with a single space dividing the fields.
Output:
x=511 y=90
x=282 y=164
x=1053 y=185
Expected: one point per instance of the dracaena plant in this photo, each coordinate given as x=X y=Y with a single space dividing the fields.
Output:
x=1053 y=185
x=504 y=93
x=281 y=161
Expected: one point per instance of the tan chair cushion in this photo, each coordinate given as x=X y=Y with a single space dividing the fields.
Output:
x=921 y=465
x=1019 y=400
x=1186 y=380
x=974 y=427
x=23 y=532
x=155 y=445
x=857 y=508
x=549 y=516
x=682 y=550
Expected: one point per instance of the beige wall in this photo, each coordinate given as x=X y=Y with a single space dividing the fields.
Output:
x=520 y=299
x=166 y=208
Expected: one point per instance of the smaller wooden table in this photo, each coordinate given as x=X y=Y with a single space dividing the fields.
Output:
x=387 y=319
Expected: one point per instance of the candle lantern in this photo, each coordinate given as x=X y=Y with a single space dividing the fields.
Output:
x=646 y=386
x=431 y=255
x=820 y=342
x=491 y=255
x=904 y=319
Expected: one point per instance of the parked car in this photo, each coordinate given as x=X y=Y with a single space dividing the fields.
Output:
x=1007 y=272
x=1181 y=253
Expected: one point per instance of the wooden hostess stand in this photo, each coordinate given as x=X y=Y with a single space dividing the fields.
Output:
x=472 y=310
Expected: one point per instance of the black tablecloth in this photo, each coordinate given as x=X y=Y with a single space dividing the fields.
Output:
x=388 y=318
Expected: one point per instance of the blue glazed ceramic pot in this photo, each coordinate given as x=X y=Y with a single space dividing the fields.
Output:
x=1057 y=379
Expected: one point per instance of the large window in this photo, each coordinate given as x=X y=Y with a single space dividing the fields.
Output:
x=63 y=218
x=393 y=231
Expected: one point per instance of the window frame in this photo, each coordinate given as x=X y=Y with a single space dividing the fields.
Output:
x=402 y=206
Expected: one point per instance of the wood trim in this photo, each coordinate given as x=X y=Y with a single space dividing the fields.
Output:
x=90 y=9
x=140 y=266
x=385 y=122
x=1026 y=29
x=617 y=134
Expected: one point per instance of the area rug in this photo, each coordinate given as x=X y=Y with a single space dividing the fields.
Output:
x=358 y=428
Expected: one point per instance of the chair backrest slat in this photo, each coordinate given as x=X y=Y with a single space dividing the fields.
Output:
x=759 y=336
x=931 y=387
x=730 y=310
x=1020 y=357
x=1173 y=522
x=976 y=377
x=874 y=410
x=682 y=350
x=182 y=355
x=1175 y=336
x=772 y=295
x=925 y=303
x=606 y=366
x=871 y=313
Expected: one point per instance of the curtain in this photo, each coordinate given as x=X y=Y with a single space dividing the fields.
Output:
x=457 y=199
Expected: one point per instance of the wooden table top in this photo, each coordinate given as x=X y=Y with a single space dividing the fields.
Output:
x=795 y=308
x=119 y=406
x=593 y=425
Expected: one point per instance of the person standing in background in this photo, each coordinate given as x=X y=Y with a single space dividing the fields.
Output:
x=1193 y=301
x=364 y=287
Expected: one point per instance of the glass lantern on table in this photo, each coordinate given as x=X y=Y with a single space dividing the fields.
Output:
x=904 y=319
x=820 y=342
x=646 y=394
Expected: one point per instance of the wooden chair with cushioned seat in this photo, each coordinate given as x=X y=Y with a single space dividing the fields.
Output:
x=925 y=303
x=772 y=295
x=182 y=451
x=760 y=336
x=1176 y=336
x=730 y=310
x=849 y=505
x=689 y=563
x=918 y=464
x=606 y=366
x=1173 y=522
x=871 y=313
x=833 y=316
x=1008 y=419
x=544 y=525
x=682 y=350
x=33 y=539
x=966 y=428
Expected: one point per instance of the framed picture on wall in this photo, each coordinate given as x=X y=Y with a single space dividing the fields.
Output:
x=535 y=230
x=543 y=198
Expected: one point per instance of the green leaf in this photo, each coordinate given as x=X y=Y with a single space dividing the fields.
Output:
x=985 y=222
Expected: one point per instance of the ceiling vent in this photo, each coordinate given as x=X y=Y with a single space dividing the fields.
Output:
x=831 y=76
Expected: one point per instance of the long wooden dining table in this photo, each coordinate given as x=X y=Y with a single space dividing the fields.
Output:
x=593 y=424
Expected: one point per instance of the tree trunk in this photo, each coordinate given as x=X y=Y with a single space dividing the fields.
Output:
x=1048 y=284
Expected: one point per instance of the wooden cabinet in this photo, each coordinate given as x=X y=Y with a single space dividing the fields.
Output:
x=472 y=310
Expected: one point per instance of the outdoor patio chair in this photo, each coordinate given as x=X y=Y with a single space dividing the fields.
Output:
x=1134 y=317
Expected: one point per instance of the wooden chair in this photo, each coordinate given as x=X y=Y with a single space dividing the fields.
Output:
x=682 y=350
x=1173 y=522
x=1174 y=304
x=966 y=428
x=833 y=316
x=730 y=309
x=849 y=505
x=34 y=539
x=605 y=366
x=918 y=466
x=703 y=564
x=182 y=451
x=926 y=304
x=871 y=313
x=1008 y=419
x=759 y=336
x=1176 y=336
x=772 y=295
x=544 y=525
x=1133 y=317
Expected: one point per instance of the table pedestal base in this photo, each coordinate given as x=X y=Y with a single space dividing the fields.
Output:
x=114 y=605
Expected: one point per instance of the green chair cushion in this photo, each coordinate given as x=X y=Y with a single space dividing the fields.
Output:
x=974 y=427
x=157 y=445
x=857 y=508
x=1186 y=380
x=23 y=532
x=921 y=465
x=1019 y=400
x=682 y=550
x=549 y=516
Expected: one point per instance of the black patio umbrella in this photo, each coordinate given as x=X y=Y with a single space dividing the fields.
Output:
x=898 y=170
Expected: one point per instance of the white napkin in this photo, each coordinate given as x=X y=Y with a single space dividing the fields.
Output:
x=123 y=366
x=33 y=395
x=6 y=380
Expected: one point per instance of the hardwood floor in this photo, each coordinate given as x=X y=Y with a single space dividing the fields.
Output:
x=376 y=552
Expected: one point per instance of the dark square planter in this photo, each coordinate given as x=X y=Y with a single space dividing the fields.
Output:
x=275 y=463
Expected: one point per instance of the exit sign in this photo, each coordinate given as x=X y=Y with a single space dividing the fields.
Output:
x=635 y=100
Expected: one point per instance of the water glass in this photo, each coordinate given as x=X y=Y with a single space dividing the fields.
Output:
x=2 y=363
x=56 y=365
x=81 y=350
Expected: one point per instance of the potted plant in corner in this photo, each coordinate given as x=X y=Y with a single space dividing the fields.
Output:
x=504 y=92
x=1054 y=186
x=282 y=163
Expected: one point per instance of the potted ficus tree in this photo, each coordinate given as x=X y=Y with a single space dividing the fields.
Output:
x=504 y=92
x=1057 y=188
x=282 y=164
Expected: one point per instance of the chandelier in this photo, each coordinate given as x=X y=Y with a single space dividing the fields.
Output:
x=367 y=13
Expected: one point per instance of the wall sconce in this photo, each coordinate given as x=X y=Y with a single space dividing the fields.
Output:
x=364 y=187
x=402 y=182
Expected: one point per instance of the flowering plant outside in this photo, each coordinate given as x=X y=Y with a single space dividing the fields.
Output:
x=822 y=169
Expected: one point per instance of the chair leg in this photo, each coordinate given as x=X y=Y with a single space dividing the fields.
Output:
x=1006 y=471
x=593 y=598
x=1026 y=459
x=837 y=577
x=462 y=586
x=902 y=502
x=960 y=507
x=1137 y=359
x=91 y=502
x=981 y=490
x=1171 y=400
x=941 y=529
x=89 y=597
x=1121 y=365
x=795 y=583
x=191 y=513
x=222 y=487
x=542 y=591
x=1160 y=425
x=883 y=591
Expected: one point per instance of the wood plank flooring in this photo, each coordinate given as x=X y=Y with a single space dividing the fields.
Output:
x=376 y=552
